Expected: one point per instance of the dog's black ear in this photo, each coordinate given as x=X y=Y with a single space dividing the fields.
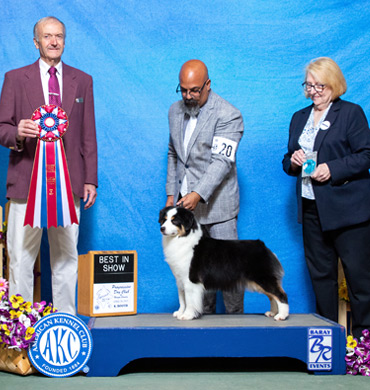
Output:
x=188 y=219
x=161 y=215
x=163 y=212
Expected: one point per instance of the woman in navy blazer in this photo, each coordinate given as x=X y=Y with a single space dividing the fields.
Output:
x=329 y=142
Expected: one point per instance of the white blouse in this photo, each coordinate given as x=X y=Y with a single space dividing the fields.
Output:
x=306 y=142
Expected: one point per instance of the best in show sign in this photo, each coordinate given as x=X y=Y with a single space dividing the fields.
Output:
x=107 y=283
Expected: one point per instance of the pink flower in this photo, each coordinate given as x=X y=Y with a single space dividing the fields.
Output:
x=4 y=284
x=39 y=306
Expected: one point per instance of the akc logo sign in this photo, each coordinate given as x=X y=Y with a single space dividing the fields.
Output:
x=62 y=346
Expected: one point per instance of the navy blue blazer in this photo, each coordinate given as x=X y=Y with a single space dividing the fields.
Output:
x=344 y=199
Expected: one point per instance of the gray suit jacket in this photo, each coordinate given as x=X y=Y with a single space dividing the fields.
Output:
x=211 y=174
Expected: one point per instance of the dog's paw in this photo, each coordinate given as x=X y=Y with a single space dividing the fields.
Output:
x=270 y=314
x=283 y=313
x=178 y=313
x=188 y=315
x=280 y=317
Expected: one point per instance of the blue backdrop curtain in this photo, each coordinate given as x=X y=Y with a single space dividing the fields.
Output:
x=255 y=51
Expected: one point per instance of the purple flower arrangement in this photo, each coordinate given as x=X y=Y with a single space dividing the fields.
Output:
x=18 y=317
x=358 y=354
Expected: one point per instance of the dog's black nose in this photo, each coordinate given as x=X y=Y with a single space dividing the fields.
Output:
x=163 y=229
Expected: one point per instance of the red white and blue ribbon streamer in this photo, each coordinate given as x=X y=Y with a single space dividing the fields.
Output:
x=50 y=198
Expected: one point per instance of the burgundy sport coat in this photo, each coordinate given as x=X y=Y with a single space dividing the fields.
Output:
x=21 y=95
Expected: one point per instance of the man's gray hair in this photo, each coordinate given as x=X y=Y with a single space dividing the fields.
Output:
x=46 y=19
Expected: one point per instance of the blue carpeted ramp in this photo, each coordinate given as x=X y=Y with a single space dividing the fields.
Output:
x=310 y=338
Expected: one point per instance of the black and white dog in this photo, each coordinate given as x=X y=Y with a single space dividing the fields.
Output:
x=201 y=263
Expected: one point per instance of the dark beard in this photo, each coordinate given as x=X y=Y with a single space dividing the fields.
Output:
x=190 y=107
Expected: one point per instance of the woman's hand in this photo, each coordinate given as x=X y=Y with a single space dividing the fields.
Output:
x=297 y=159
x=321 y=173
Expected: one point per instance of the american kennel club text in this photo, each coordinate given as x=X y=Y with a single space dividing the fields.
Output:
x=62 y=345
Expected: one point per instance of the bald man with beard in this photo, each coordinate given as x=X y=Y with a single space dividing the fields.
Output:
x=205 y=131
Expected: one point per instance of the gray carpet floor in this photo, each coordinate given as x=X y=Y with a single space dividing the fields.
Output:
x=188 y=381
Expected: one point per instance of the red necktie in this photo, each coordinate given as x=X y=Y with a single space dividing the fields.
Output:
x=54 y=92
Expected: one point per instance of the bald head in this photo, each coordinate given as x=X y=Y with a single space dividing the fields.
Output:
x=194 y=68
x=194 y=77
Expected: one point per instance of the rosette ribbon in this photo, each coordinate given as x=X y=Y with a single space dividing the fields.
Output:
x=50 y=198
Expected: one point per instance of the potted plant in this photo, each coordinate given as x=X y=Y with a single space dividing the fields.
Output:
x=17 y=320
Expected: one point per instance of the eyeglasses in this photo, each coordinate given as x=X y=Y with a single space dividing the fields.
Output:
x=192 y=92
x=318 y=88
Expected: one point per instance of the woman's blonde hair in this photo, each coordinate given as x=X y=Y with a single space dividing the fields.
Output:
x=327 y=72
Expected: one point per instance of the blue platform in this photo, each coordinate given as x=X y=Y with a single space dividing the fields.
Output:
x=310 y=338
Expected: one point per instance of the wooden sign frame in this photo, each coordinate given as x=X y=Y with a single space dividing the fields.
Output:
x=107 y=283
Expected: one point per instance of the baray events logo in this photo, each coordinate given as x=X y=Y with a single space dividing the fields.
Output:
x=320 y=349
x=62 y=346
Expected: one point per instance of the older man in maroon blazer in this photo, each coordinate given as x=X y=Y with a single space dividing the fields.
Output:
x=24 y=90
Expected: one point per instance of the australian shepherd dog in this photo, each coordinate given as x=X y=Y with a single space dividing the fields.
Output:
x=202 y=263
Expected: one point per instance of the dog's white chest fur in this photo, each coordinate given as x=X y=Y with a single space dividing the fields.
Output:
x=178 y=252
